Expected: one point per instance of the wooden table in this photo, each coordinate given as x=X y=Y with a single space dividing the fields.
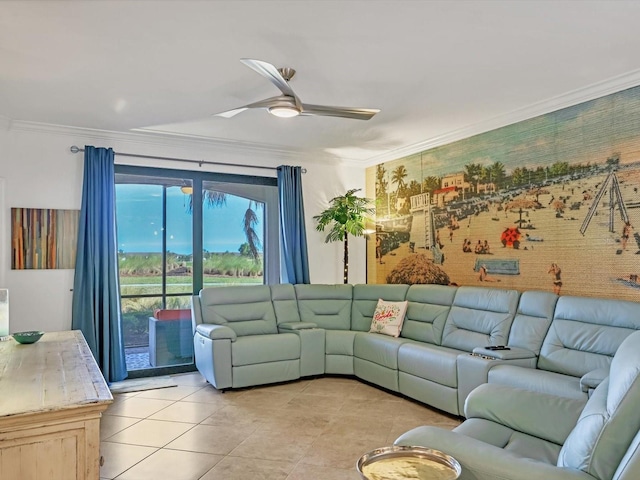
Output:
x=52 y=396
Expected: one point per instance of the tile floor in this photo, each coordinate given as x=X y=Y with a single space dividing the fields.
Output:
x=303 y=430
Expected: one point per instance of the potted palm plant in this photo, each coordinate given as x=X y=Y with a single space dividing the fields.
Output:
x=345 y=216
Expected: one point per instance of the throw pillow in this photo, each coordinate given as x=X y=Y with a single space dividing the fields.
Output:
x=388 y=317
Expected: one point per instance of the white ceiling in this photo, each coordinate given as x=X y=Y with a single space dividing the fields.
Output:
x=433 y=67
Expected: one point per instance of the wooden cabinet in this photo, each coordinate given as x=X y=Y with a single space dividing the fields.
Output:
x=52 y=396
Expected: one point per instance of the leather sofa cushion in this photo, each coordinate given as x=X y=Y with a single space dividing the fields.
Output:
x=339 y=342
x=541 y=415
x=537 y=380
x=479 y=317
x=285 y=304
x=586 y=333
x=576 y=348
x=365 y=299
x=328 y=306
x=532 y=320
x=255 y=349
x=248 y=311
x=510 y=440
x=610 y=420
x=431 y=362
x=427 y=312
x=377 y=348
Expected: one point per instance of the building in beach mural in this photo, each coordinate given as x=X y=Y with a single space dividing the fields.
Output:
x=551 y=203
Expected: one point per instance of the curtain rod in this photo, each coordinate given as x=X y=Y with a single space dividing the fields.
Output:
x=76 y=149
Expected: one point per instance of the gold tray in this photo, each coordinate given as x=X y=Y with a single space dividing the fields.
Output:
x=407 y=463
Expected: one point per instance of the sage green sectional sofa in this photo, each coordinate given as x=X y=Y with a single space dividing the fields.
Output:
x=252 y=335
x=514 y=433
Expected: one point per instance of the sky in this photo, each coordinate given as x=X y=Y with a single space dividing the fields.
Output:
x=139 y=220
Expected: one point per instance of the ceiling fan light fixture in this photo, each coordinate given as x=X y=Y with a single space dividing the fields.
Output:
x=284 y=111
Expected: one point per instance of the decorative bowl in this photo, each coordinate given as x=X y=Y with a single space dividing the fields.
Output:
x=407 y=462
x=27 y=337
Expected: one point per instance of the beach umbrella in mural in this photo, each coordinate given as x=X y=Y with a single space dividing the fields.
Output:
x=510 y=237
x=417 y=269
x=559 y=205
x=538 y=191
x=519 y=203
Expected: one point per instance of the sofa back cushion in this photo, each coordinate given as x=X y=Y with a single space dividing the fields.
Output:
x=328 y=306
x=610 y=421
x=247 y=310
x=479 y=317
x=427 y=312
x=532 y=320
x=283 y=297
x=365 y=299
x=585 y=334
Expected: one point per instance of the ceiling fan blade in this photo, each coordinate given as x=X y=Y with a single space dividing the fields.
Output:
x=266 y=103
x=271 y=73
x=230 y=113
x=343 y=112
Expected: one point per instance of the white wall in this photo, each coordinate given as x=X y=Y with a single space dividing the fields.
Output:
x=41 y=172
x=4 y=246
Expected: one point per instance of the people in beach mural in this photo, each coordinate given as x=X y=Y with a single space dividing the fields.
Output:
x=551 y=203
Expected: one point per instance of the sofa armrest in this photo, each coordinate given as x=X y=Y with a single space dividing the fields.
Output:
x=216 y=332
x=196 y=312
x=514 y=353
x=592 y=379
x=473 y=369
x=542 y=415
x=289 y=326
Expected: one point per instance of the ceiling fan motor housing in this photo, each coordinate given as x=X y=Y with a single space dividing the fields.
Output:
x=287 y=73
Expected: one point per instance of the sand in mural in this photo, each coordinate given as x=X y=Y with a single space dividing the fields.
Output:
x=551 y=203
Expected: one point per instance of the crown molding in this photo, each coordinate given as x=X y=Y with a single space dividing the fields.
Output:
x=164 y=140
x=155 y=138
x=569 y=99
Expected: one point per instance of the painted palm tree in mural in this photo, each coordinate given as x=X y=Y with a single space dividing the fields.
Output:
x=473 y=174
x=520 y=176
x=493 y=176
x=431 y=184
x=498 y=174
x=382 y=195
x=397 y=176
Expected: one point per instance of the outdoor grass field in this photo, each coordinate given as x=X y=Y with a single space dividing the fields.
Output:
x=141 y=276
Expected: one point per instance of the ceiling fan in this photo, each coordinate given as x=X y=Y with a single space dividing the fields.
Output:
x=288 y=104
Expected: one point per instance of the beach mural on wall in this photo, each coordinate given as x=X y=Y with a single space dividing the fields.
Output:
x=43 y=238
x=550 y=203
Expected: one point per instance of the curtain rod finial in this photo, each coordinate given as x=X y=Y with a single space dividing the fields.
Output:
x=74 y=149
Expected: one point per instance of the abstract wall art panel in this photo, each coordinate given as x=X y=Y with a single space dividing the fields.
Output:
x=43 y=238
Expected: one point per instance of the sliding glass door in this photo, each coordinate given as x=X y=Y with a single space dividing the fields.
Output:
x=178 y=232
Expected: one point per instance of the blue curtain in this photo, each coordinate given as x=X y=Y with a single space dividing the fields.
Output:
x=96 y=299
x=294 y=256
